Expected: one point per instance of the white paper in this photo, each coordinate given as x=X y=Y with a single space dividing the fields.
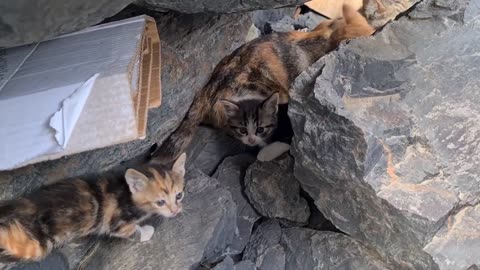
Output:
x=64 y=120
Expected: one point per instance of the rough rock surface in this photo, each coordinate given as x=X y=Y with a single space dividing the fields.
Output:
x=217 y=6
x=387 y=137
x=230 y=175
x=264 y=247
x=190 y=50
x=273 y=190
x=209 y=148
x=274 y=248
x=24 y=21
x=228 y=264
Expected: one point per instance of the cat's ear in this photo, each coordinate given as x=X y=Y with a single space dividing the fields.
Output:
x=229 y=107
x=136 y=180
x=179 y=165
x=270 y=104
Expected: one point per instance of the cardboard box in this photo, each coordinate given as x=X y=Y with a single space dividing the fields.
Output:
x=78 y=92
x=331 y=9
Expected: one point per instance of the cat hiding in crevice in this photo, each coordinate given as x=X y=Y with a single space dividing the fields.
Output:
x=243 y=94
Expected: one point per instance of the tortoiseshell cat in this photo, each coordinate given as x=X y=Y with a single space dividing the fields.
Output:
x=246 y=87
x=31 y=226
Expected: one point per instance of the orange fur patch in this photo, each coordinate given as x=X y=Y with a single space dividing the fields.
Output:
x=18 y=243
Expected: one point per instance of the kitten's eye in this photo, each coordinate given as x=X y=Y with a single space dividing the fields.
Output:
x=243 y=130
x=161 y=203
x=260 y=130
x=179 y=196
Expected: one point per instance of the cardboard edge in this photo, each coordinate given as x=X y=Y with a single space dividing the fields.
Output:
x=155 y=71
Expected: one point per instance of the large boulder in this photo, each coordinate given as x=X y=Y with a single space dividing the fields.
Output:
x=24 y=21
x=217 y=6
x=274 y=248
x=386 y=137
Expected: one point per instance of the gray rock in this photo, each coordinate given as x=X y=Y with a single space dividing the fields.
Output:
x=230 y=175
x=225 y=6
x=24 y=21
x=190 y=50
x=226 y=264
x=264 y=247
x=286 y=24
x=309 y=20
x=56 y=261
x=201 y=234
x=245 y=265
x=386 y=137
x=274 y=192
x=308 y=250
x=274 y=248
x=209 y=147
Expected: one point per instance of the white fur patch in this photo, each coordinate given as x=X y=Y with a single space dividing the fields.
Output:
x=146 y=232
x=272 y=151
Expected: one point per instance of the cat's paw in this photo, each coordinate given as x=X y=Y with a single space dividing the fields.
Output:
x=304 y=30
x=146 y=232
x=272 y=151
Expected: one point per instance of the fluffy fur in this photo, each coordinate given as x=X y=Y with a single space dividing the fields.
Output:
x=246 y=86
x=30 y=227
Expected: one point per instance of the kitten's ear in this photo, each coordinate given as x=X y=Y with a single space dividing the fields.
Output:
x=136 y=180
x=179 y=165
x=271 y=104
x=229 y=107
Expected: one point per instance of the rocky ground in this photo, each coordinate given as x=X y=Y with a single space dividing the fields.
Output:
x=382 y=172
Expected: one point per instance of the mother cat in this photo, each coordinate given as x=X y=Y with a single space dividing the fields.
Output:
x=245 y=89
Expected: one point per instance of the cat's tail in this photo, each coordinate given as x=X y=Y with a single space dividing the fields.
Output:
x=351 y=25
x=16 y=244
x=178 y=141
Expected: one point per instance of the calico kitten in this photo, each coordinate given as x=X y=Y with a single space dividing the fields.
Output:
x=246 y=87
x=30 y=227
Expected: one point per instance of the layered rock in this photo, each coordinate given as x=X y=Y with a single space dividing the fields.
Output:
x=274 y=192
x=217 y=6
x=24 y=21
x=386 y=137
x=274 y=248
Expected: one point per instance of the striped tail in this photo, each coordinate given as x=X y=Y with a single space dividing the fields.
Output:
x=16 y=244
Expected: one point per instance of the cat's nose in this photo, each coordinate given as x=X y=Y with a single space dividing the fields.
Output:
x=251 y=140
x=176 y=211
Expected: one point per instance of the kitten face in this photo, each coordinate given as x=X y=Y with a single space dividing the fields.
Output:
x=252 y=121
x=158 y=191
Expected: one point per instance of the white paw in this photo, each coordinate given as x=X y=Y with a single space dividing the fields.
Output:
x=146 y=232
x=272 y=151
x=303 y=30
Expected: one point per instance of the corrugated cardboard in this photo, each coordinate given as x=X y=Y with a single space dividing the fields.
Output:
x=78 y=92
x=331 y=8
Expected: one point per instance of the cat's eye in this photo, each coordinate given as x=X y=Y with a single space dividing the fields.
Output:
x=179 y=196
x=243 y=130
x=260 y=130
x=161 y=203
